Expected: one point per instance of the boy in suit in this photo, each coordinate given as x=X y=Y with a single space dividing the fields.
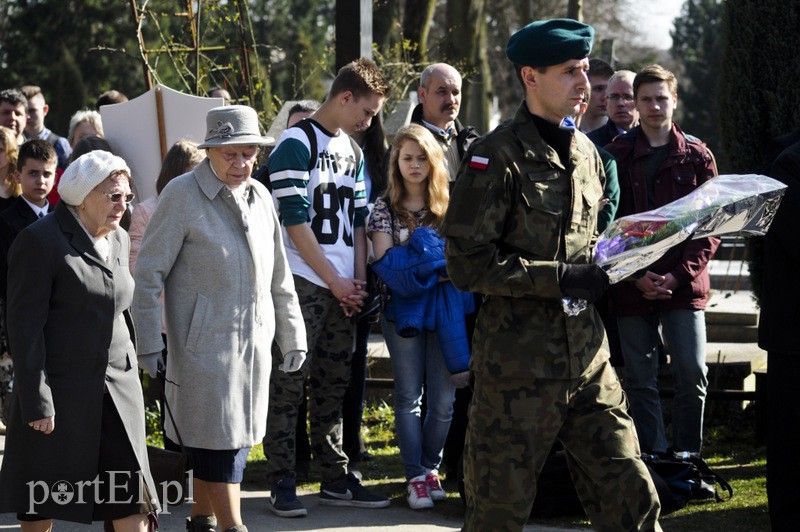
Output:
x=36 y=172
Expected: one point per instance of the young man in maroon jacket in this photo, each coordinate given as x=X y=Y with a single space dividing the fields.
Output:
x=657 y=164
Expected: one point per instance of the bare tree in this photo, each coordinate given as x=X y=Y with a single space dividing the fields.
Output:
x=575 y=9
x=417 y=25
x=465 y=46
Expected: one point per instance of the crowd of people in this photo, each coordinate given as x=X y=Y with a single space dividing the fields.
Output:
x=247 y=289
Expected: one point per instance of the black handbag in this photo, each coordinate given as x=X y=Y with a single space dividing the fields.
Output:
x=379 y=295
x=169 y=468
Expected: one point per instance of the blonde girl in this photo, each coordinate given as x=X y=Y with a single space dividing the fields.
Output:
x=9 y=188
x=416 y=196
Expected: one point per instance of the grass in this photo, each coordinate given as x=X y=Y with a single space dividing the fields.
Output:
x=730 y=448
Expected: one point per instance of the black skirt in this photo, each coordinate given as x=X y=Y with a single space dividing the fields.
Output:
x=117 y=462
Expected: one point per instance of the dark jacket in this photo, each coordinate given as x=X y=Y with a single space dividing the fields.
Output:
x=780 y=316
x=604 y=134
x=69 y=342
x=688 y=165
x=465 y=135
x=12 y=221
x=610 y=191
x=419 y=301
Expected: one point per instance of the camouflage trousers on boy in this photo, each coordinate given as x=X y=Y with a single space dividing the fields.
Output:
x=512 y=426
x=330 y=350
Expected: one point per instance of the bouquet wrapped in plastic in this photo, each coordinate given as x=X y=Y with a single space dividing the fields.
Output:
x=724 y=205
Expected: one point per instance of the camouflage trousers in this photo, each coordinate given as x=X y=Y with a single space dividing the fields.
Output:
x=330 y=337
x=512 y=426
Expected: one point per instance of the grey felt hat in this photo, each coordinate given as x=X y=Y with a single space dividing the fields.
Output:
x=233 y=125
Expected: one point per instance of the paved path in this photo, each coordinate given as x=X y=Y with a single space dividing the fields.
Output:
x=398 y=517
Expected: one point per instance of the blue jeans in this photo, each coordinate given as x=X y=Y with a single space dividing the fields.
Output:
x=685 y=338
x=416 y=361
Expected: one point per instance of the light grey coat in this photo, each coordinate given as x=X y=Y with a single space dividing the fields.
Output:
x=227 y=284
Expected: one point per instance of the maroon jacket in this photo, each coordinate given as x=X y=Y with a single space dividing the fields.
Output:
x=688 y=165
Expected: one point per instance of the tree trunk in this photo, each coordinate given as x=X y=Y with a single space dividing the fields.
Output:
x=465 y=49
x=575 y=9
x=385 y=24
x=416 y=26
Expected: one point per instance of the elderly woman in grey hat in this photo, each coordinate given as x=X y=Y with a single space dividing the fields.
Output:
x=214 y=247
x=77 y=415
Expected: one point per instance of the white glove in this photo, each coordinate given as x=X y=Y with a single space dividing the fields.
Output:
x=292 y=361
x=151 y=363
x=460 y=380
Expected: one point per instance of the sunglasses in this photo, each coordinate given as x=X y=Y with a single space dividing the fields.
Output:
x=114 y=198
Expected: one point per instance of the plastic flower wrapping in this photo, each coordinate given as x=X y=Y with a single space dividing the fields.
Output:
x=724 y=205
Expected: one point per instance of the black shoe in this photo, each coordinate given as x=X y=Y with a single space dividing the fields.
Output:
x=284 y=500
x=348 y=491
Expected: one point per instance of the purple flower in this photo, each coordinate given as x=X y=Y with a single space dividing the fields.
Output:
x=608 y=248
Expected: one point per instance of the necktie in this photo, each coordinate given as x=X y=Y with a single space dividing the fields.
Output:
x=41 y=214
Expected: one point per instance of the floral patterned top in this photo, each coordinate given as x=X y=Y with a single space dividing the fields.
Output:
x=382 y=221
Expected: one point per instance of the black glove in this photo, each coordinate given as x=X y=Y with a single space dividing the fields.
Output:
x=582 y=281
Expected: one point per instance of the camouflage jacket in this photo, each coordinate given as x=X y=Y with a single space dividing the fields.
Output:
x=514 y=214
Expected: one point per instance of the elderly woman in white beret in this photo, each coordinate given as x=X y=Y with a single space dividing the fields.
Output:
x=77 y=414
x=214 y=247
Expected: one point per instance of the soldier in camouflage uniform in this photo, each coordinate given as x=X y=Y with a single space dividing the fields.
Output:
x=520 y=229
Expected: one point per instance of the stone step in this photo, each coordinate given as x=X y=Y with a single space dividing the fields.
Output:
x=731 y=366
x=731 y=248
x=379 y=365
x=729 y=274
x=731 y=333
x=731 y=308
x=736 y=319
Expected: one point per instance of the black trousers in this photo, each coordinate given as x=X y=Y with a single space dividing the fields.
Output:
x=783 y=439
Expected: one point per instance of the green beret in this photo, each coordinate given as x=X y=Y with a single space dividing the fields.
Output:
x=550 y=42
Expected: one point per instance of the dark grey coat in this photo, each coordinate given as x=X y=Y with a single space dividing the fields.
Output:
x=69 y=341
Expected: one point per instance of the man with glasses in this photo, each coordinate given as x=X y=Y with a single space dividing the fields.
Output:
x=622 y=112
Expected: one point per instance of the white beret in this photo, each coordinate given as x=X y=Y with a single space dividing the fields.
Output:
x=86 y=172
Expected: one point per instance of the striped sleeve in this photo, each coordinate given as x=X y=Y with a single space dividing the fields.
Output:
x=288 y=174
x=360 y=197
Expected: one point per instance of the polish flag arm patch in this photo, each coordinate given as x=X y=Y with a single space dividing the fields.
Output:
x=479 y=163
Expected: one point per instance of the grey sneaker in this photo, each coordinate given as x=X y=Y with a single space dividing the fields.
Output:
x=284 y=501
x=348 y=491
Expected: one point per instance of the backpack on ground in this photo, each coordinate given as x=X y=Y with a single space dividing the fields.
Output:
x=682 y=477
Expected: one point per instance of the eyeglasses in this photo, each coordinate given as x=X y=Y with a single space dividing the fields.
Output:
x=115 y=197
x=627 y=98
